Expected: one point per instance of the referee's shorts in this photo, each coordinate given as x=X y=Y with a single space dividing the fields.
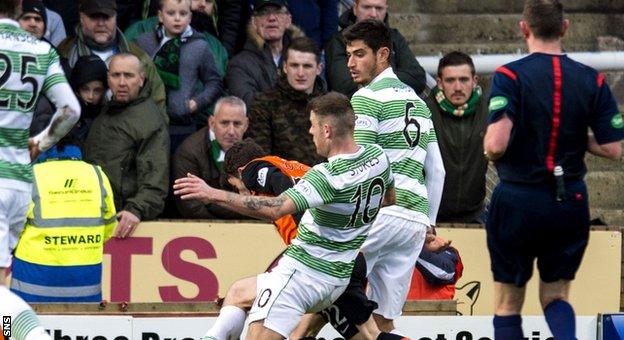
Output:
x=527 y=222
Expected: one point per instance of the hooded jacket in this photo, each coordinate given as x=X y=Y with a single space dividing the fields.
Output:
x=130 y=141
x=252 y=70
x=279 y=122
x=402 y=60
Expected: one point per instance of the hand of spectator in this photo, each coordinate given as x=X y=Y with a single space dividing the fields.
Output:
x=435 y=244
x=192 y=187
x=192 y=106
x=33 y=149
x=126 y=225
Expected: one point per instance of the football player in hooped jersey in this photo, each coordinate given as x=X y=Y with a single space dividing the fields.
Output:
x=389 y=113
x=251 y=171
x=28 y=66
x=339 y=206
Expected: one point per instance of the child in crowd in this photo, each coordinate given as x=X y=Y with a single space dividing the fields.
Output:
x=185 y=64
x=88 y=80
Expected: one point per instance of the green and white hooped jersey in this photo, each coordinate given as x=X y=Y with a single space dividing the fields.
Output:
x=28 y=66
x=391 y=114
x=342 y=198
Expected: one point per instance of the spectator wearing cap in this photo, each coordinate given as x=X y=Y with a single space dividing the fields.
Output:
x=33 y=18
x=98 y=34
x=183 y=60
x=255 y=68
x=42 y=22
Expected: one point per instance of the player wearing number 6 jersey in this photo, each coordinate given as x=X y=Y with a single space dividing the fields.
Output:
x=340 y=198
x=389 y=113
x=28 y=66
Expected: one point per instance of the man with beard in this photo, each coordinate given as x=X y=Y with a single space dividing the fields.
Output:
x=459 y=113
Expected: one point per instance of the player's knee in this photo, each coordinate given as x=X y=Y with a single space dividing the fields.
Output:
x=239 y=295
x=384 y=325
x=547 y=297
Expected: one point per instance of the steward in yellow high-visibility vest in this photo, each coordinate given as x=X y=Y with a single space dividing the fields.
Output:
x=71 y=216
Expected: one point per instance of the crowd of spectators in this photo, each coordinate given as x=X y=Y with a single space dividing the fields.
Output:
x=168 y=86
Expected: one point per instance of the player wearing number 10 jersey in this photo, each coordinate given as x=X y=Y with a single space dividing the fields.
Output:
x=28 y=66
x=389 y=113
x=341 y=198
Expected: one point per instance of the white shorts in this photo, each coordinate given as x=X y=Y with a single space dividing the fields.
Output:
x=285 y=294
x=391 y=251
x=13 y=210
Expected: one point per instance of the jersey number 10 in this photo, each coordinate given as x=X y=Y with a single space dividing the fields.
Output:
x=357 y=199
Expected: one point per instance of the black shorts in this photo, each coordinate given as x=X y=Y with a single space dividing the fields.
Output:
x=526 y=222
x=353 y=307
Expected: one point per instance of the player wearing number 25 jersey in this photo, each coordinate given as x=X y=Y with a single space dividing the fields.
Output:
x=28 y=66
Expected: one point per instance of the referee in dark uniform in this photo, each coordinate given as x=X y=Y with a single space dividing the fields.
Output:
x=546 y=111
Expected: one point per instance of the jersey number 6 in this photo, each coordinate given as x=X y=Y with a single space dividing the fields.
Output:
x=410 y=121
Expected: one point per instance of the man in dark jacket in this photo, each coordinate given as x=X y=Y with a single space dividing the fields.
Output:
x=98 y=34
x=402 y=59
x=317 y=18
x=459 y=112
x=202 y=154
x=279 y=120
x=255 y=68
x=129 y=140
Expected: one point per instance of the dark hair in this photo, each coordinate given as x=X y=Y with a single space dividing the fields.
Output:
x=305 y=45
x=545 y=18
x=455 y=58
x=374 y=33
x=240 y=154
x=9 y=8
x=337 y=107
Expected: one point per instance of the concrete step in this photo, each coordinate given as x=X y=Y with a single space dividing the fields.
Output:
x=495 y=28
x=612 y=217
x=496 y=6
x=488 y=48
x=606 y=189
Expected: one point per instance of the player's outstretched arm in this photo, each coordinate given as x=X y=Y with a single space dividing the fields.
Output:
x=270 y=208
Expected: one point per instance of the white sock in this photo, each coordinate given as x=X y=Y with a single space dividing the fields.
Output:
x=229 y=324
x=25 y=325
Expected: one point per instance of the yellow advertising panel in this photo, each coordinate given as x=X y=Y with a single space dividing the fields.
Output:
x=197 y=261
x=186 y=261
x=596 y=288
